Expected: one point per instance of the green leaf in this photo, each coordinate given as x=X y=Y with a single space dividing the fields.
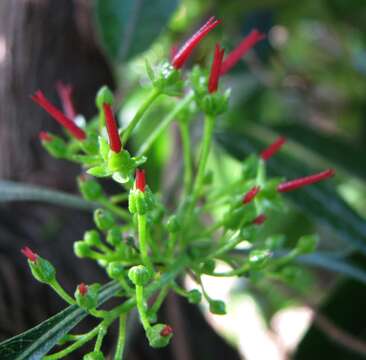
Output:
x=13 y=191
x=320 y=201
x=332 y=148
x=128 y=28
x=38 y=341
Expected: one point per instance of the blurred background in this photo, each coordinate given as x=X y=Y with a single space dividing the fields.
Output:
x=306 y=81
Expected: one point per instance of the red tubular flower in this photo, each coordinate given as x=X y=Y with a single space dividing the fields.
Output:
x=65 y=94
x=273 y=148
x=83 y=289
x=247 y=43
x=307 y=180
x=250 y=195
x=74 y=130
x=29 y=254
x=140 y=180
x=167 y=330
x=44 y=136
x=114 y=139
x=213 y=81
x=259 y=220
x=185 y=51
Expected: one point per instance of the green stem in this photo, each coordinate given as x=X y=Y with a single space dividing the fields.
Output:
x=140 y=112
x=159 y=300
x=122 y=213
x=121 y=337
x=141 y=307
x=205 y=151
x=119 y=198
x=142 y=230
x=165 y=123
x=187 y=159
x=101 y=334
x=61 y=292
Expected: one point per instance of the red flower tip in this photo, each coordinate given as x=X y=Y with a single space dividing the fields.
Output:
x=83 y=289
x=259 y=220
x=250 y=195
x=185 y=51
x=74 y=130
x=114 y=139
x=273 y=148
x=140 y=181
x=247 y=43
x=65 y=94
x=44 y=136
x=167 y=330
x=29 y=254
x=307 y=180
x=213 y=81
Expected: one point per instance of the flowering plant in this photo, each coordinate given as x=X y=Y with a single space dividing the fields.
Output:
x=145 y=249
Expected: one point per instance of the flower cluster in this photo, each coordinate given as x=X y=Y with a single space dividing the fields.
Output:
x=143 y=245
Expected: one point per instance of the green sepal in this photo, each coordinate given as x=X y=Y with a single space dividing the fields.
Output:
x=217 y=307
x=156 y=340
x=168 y=80
x=149 y=70
x=214 y=104
x=139 y=275
x=42 y=270
x=140 y=202
x=56 y=147
x=115 y=270
x=89 y=300
x=120 y=162
x=90 y=189
x=103 y=148
x=104 y=96
x=98 y=171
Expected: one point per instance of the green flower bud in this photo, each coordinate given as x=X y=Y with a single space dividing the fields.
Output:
x=258 y=259
x=95 y=355
x=103 y=219
x=217 y=307
x=139 y=275
x=208 y=267
x=307 y=244
x=81 y=249
x=87 y=296
x=90 y=189
x=92 y=238
x=168 y=80
x=275 y=242
x=104 y=96
x=114 y=236
x=159 y=335
x=42 y=270
x=173 y=224
x=55 y=146
x=194 y=296
x=140 y=202
x=214 y=104
x=115 y=270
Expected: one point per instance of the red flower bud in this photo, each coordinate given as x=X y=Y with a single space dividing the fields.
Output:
x=250 y=195
x=213 y=81
x=273 y=148
x=44 y=136
x=140 y=181
x=83 y=289
x=185 y=51
x=65 y=94
x=167 y=330
x=247 y=43
x=114 y=139
x=74 y=130
x=307 y=180
x=259 y=220
x=29 y=254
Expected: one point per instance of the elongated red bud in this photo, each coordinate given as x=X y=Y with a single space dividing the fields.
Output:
x=251 y=194
x=83 y=289
x=185 y=51
x=44 y=136
x=29 y=254
x=167 y=330
x=247 y=43
x=213 y=81
x=140 y=180
x=74 y=130
x=114 y=139
x=273 y=148
x=259 y=220
x=307 y=180
x=65 y=94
